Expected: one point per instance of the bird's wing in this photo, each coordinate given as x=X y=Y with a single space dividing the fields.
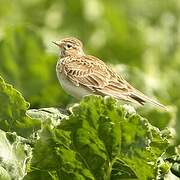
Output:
x=87 y=72
x=93 y=73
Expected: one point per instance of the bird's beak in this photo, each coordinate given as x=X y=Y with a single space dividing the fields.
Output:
x=58 y=43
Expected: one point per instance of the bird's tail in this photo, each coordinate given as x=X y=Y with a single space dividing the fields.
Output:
x=134 y=96
x=142 y=99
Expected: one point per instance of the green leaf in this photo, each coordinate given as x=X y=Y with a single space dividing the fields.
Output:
x=13 y=112
x=51 y=115
x=26 y=65
x=100 y=140
x=173 y=157
x=58 y=154
x=14 y=156
x=4 y=174
x=40 y=175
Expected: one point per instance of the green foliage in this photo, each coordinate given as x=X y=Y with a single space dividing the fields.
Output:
x=139 y=34
x=14 y=155
x=139 y=38
x=24 y=63
x=175 y=168
x=13 y=111
x=100 y=140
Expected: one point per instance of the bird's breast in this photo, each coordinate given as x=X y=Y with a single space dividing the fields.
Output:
x=75 y=91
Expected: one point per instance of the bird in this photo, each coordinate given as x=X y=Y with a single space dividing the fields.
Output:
x=80 y=75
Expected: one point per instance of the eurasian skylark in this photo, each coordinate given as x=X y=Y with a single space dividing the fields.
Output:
x=80 y=75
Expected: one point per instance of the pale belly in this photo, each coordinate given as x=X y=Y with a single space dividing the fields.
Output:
x=73 y=90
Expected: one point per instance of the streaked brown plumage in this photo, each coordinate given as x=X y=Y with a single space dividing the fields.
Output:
x=81 y=74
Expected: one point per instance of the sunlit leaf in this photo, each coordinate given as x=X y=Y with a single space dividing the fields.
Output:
x=13 y=112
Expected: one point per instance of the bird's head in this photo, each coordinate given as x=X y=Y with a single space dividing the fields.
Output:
x=70 y=47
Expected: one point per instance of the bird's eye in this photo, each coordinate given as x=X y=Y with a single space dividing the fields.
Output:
x=69 y=46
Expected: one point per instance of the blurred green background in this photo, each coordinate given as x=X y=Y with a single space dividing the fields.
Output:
x=139 y=38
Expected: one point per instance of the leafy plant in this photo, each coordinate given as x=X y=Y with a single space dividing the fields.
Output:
x=15 y=153
x=99 y=139
x=23 y=61
x=13 y=108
